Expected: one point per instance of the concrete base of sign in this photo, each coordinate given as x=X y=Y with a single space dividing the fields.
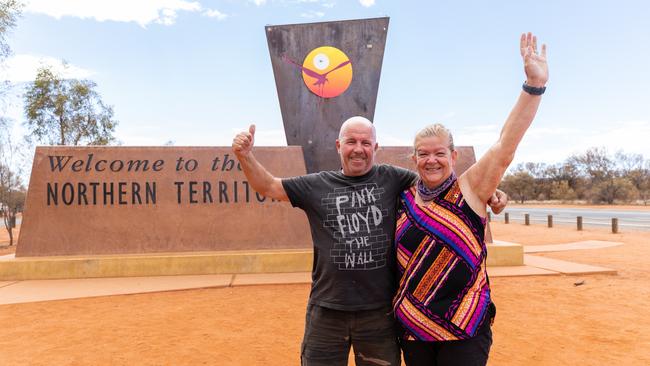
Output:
x=136 y=265
x=231 y=262
x=505 y=254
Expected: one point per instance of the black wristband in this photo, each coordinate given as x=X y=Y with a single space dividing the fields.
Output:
x=533 y=90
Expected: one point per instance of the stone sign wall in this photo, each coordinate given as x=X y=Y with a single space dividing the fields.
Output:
x=124 y=200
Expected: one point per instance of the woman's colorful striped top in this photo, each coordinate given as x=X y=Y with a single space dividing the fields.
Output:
x=444 y=290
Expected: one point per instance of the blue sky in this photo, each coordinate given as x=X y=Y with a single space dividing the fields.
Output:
x=196 y=72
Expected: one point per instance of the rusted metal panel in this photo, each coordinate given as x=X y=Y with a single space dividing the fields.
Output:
x=312 y=121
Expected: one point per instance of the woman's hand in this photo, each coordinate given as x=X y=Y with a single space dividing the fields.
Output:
x=535 y=65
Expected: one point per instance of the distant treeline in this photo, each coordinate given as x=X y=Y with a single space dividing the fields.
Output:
x=594 y=176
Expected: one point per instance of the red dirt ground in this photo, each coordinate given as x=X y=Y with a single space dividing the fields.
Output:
x=541 y=320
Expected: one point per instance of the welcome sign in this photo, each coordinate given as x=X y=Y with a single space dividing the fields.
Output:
x=125 y=200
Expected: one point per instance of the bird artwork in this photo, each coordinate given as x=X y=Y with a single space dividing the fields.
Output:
x=318 y=71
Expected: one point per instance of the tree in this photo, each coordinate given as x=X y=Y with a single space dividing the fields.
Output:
x=67 y=111
x=12 y=193
x=12 y=199
x=562 y=191
x=9 y=13
x=601 y=175
x=519 y=184
x=537 y=172
x=637 y=171
x=564 y=181
x=596 y=164
x=628 y=162
x=570 y=173
x=618 y=188
x=640 y=179
x=593 y=175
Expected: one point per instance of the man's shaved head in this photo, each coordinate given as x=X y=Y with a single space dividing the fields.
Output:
x=357 y=121
x=356 y=146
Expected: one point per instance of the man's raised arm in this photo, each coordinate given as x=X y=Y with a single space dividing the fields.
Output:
x=258 y=177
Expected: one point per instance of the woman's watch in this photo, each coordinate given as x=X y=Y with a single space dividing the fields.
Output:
x=533 y=90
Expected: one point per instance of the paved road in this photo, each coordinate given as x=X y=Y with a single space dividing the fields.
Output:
x=632 y=220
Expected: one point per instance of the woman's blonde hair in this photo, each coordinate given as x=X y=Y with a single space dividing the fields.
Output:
x=434 y=130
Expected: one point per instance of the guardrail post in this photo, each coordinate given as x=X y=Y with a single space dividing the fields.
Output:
x=527 y=219
x=614 y=225
x=507 y=217
x=550 y=220
x=579 y=222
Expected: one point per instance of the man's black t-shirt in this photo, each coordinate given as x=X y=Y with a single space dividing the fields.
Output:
x=352 y=222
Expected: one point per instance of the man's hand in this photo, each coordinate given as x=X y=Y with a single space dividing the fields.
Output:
x=498 y=201
x=258 y=177
x=535 y=64
x=243 y=143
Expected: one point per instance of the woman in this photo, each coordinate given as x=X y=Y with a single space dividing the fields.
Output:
x=443 y=304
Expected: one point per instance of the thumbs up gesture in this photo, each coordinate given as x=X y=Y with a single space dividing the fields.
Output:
x=242 y=144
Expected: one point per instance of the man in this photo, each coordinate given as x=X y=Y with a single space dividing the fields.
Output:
x=351 y=213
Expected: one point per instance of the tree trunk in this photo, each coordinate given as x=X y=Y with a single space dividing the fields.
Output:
x=62 y=130
x=8 y=220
